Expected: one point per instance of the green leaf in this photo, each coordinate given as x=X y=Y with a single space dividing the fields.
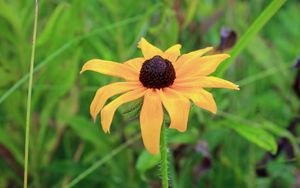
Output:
x=256 y=135
x=47 y=33
x=11 y=144
x=280 y=131
x=277 y=130
x=90 y=132
x=176 y=137
x=191 y=10
x=147 y=161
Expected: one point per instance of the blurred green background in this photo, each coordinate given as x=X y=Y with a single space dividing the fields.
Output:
x=231 y=149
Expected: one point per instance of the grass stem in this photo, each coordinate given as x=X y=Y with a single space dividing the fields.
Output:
x=27 y=132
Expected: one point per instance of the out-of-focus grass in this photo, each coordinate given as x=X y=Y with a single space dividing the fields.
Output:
x=64 y=140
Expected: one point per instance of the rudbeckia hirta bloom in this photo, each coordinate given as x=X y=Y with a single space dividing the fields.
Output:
x=164 y=79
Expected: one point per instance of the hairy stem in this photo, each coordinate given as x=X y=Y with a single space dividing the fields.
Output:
x=164 y=158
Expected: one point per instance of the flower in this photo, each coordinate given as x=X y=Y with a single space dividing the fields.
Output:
x=162 y=78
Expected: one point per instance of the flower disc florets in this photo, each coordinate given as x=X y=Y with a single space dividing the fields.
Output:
x=157 y=73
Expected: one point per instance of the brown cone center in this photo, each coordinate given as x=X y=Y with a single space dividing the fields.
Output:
x=157 y=73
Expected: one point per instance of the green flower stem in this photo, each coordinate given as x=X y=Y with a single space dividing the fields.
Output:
x=27 y=136
x=164 y=157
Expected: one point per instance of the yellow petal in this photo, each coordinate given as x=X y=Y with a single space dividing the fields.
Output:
x=214 y=82
x=108 y=111
x=186 y=58
x=136 y=63
x=151 y=119
x=201 y=66
x=148 y=49
x=111 y=68
x=108 y=91
x=178 y=107
x=205 y=82
x=200 y=98
x=172 y=53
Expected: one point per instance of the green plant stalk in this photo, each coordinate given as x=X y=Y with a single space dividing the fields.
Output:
x=164 y=157
x=251 y=32
x=102 y=161
x=27 y=131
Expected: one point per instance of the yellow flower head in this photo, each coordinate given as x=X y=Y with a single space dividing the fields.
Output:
x=162 y=78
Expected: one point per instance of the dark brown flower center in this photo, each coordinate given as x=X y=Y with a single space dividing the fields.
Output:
x=157 y=73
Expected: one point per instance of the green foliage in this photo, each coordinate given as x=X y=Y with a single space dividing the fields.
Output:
x=68 y=148
x=256 y=135
x=147 y=161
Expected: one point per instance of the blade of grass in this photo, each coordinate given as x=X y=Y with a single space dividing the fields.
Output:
x=251 y=32
x=102 y=161
x=27 y=136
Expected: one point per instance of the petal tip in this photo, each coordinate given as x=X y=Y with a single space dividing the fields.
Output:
x=180 y=130
x=82 y=69
x=86 y=66
x=237 y=87
x=225 y=56
x=140 y=42
x=106 y=131
x=153 y=151
x=93 y=114
x=212 y=110
x=210 y=48
x=179 y=46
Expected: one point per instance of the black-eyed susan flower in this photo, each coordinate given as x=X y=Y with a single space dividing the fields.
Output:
x=164 y=79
